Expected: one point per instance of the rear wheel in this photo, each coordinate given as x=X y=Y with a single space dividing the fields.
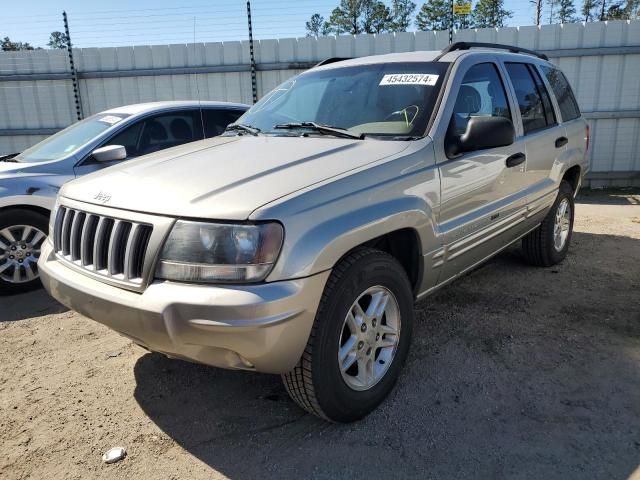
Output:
x=549 y=243
x=359 y=340
x=22 y=233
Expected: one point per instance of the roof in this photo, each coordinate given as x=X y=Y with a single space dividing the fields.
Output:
x=137 y=108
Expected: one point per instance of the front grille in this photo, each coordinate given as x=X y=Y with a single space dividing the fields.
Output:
x=102 y=245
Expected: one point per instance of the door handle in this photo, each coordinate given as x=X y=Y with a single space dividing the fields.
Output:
x=516 y=159
x=561 y=142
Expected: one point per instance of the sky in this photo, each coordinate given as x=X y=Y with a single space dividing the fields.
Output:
x=144 y=22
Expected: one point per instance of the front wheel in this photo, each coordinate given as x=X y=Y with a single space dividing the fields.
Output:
x=359 y=340
x=22 y=233
x=549 y=243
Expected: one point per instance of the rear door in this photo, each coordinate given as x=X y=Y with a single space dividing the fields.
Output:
x=575 y=127
x=482 y=199
x=544 y=137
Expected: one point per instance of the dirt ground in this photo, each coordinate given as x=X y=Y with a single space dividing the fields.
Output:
x=514 y=372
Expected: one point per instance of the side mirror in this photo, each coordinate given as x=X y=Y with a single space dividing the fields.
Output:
x=109 y=153
x=482 y=133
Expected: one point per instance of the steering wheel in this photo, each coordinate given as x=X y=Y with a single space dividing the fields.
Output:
x=408 y=114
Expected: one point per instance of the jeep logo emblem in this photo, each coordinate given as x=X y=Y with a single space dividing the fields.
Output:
x=102 y=197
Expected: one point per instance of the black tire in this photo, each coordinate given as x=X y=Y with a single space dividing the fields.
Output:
x=10 y=218
x=316 y=383
x=538 y=246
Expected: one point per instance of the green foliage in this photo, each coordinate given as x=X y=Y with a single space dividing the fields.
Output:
x=317 y=26
x=587 y=10
x=345 y=18
x=401 y=13
x=490 y=14
x=566 y=12
x=434 y=15
x=6 y=45
x=57 y=40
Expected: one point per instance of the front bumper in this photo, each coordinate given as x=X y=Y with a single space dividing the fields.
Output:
x=256 y=327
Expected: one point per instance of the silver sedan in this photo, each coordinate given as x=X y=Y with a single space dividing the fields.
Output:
x=29 y=182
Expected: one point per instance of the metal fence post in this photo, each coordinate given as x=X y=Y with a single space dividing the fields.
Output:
x=74 y=72
x=451 y=23
x=254 y=85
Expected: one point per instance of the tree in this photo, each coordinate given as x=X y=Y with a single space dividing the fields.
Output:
x=618 y=10
x=346 y=17
x=566 y=11
x=57 y=40
x=537 y=16
x=434 y=15
x=6 y=45
x=587 y=10
x=401 y=13
x=490 y=14
x=317 y=26
x=381 y=19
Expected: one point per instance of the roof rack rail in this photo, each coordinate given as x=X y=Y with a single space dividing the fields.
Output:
x=469 y=45
x=327 y=61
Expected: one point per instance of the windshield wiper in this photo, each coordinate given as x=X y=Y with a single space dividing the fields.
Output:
x=322 y=129
x=244 y=128
x=9 y=158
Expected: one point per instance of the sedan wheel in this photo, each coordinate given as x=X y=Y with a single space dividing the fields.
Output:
x=19 y=252
x=22 y=234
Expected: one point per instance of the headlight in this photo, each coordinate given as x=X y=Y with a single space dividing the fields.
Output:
x=219 y=252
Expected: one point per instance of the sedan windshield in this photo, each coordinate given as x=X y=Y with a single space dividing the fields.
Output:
x=70 y=139
x=388 y=99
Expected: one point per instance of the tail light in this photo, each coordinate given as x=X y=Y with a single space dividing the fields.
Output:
x=587 y=136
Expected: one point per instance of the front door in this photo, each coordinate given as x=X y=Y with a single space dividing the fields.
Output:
x=482 y=197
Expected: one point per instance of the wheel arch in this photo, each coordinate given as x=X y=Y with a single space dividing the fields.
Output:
x=33 y=208
x=573 y=176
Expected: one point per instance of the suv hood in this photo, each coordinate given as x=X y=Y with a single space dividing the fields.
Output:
x=226 y=178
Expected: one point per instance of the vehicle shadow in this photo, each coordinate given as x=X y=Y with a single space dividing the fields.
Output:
x=32 y=304
x=610 y=196
x=514 y=372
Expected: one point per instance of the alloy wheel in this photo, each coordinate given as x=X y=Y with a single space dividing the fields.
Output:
x=19 y=252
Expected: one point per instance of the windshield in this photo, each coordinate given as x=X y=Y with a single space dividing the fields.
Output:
x=392 y=99
x=70 y=139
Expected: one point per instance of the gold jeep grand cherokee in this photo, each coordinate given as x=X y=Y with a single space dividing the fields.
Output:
x=297 y=242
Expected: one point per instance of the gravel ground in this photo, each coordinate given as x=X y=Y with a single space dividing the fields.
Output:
x=514 y=372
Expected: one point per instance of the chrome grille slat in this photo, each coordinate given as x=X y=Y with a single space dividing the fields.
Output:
x=87 y=240
x=113 y=246
x=66 y=233
x=76 y=230
x=102 y=245
x=134 y=235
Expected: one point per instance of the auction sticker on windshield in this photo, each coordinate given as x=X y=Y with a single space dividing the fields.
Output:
x=110 y=119
x=409 y=79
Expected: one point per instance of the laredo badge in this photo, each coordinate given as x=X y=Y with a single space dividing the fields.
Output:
x=409 y=79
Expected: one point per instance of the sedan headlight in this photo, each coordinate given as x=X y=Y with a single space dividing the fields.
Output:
x=220 y=252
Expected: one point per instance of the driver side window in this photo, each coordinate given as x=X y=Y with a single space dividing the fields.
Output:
x=481 y=94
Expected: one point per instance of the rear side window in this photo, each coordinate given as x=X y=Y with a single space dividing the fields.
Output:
x=533 y=99
x=481 y=94
x=562 y=90
x=215 y=121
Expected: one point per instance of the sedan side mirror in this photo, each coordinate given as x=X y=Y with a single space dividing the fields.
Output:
x=482 y=133
x=109 y=153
